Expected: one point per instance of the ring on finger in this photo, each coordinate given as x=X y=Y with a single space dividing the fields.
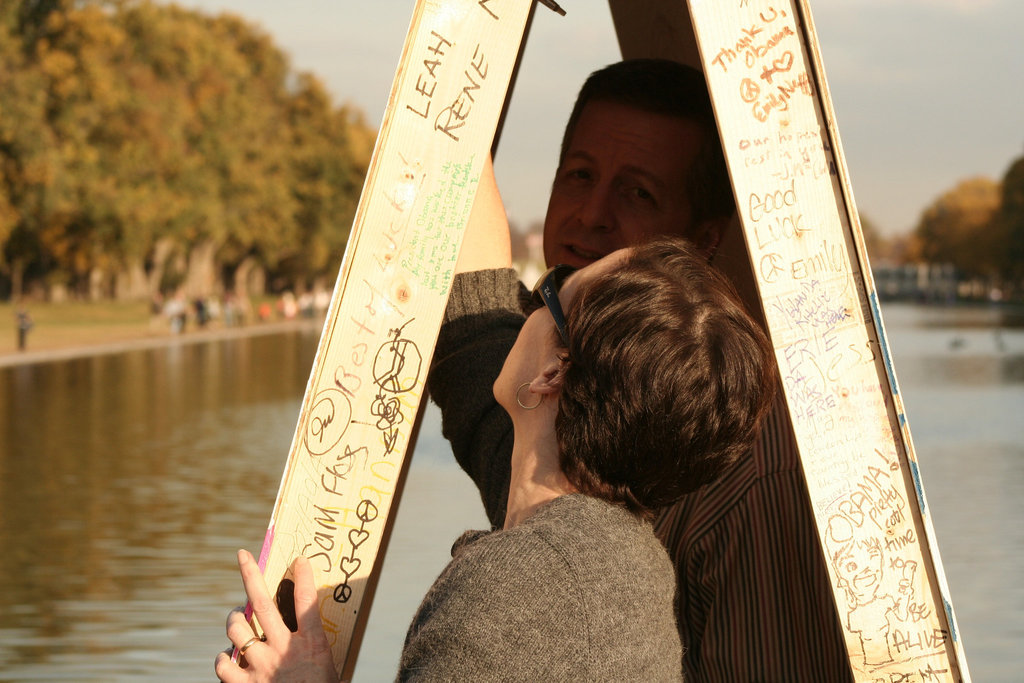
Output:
x=249 y=643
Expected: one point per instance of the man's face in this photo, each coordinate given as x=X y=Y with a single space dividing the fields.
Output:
x=622 y=182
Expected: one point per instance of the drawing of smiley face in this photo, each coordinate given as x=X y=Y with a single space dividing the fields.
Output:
x=857 y=561
x=861 y=569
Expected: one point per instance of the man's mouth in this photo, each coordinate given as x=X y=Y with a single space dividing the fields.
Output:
x=583 y=253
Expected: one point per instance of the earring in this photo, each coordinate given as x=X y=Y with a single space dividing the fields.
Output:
x=520 y=401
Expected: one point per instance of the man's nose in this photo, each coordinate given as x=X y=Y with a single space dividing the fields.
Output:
x=597 y=210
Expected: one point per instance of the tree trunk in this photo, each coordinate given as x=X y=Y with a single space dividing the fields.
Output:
x=163 y=250
x=98 y=288
x=201 y=278
x=17 y=278
x=131 y=284
x=250 y=278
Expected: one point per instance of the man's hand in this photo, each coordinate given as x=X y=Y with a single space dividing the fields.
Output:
x=486 y=244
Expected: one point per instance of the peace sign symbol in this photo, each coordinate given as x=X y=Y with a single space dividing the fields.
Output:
x=749 y=90
x=772 y=267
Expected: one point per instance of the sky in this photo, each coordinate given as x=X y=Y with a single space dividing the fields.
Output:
x=926 y=92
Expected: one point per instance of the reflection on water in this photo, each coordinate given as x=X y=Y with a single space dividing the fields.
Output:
x=963 y=389
x=128 y=481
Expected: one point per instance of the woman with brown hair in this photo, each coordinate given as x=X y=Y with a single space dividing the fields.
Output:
x=632 y=382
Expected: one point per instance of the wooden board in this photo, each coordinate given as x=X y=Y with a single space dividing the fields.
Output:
x=804 y=244
x=356 y=424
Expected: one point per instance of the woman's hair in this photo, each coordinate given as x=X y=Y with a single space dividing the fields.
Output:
x=660 y=86
x=666 y=381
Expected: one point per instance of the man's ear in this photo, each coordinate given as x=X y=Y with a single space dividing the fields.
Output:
x=708 y=235
x=550 y=379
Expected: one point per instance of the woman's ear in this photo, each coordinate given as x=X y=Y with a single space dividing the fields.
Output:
x=550 y=380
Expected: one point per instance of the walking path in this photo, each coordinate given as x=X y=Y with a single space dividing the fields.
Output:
x=255 y=329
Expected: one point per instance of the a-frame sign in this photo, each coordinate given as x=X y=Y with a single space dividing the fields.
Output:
x=343 y=477
x=804 y=256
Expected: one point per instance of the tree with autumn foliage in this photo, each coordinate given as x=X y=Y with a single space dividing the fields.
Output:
x=146 y=147
x=956 y=229
x=978 y=226
x=1008 y=226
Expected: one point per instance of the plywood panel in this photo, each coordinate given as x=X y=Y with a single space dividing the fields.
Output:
x=357 y=420
x=807 y=257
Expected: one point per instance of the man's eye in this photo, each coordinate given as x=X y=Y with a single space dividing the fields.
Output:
x=642 y=194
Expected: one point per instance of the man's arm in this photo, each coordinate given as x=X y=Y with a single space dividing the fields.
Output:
x=486 y=243
x=480 y=326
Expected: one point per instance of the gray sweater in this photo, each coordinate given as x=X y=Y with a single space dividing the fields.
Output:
x=580 y=591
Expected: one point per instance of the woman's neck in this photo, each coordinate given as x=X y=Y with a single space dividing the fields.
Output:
x=537 y=477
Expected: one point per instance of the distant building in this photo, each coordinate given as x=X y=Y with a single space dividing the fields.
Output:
x=932 y=282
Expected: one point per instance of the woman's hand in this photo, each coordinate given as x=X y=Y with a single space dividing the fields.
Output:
x=283 y=656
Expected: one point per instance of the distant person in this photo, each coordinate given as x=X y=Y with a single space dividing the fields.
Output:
x=243 y=309
x=231 y=310
x=176 y=312
x=23 y=322
x=306 y=304
x=575 y=586
x=287 y=307
x=156 y=311
x=201 y=312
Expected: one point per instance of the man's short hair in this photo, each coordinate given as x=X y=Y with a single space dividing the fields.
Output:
x=660 y=86
x=666 y=382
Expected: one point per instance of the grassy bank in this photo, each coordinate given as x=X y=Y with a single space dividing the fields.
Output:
x=58 y=326
x=64 y=325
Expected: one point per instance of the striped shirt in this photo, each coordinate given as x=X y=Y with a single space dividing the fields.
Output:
x=754 y=598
